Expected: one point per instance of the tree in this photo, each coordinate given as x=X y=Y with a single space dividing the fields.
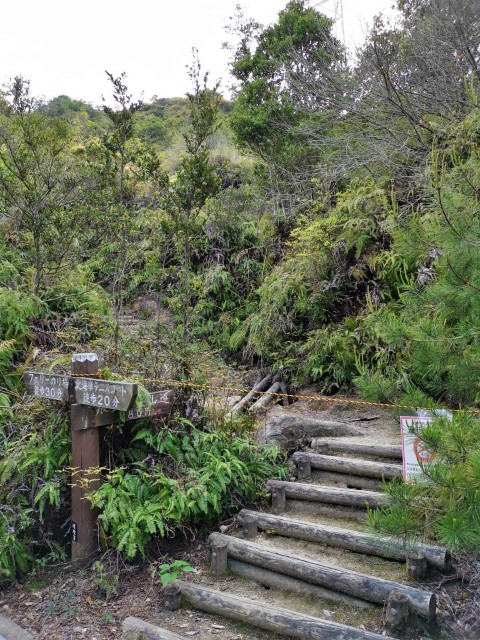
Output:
x=119 y=192
x=42 y=187
x=183 y=195
x=268 y=108
x=412 y=79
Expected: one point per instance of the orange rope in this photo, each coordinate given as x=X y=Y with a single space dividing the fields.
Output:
x=242 y=391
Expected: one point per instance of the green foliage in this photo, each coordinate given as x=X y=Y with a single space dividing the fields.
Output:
x=173 y=570
x=431 y=331
x=443 y=505
x=189 y=476
x=33 y=490
x=104 y=579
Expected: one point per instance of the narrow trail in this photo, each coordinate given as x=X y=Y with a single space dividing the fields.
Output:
x=307 y=567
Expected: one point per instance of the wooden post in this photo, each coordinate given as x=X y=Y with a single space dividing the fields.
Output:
x=278 y=499
x=172 y=597
x=249 y=527
x=396 y=614
x=304 y=467
x=219 y=558
x=416 y=565
x=85 y=463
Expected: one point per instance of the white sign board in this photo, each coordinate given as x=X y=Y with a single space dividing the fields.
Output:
x=413 y=449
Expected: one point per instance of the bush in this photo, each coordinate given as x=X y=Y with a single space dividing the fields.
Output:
x=185 y=478
x=444 y=505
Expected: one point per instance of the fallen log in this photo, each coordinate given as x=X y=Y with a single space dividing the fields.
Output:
x=356 y=584
x=357 y=541
x=279 y=581
x=146 y=630
x=262 y=385
x=282 y=621
x=393 y=451
x=351 y=465
x=330 y=495
x=290 y=431
x=270 y=396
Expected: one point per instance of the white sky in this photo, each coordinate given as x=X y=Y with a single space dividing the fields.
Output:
x=64 y=47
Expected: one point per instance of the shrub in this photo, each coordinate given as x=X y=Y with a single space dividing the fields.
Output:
x=444 y=505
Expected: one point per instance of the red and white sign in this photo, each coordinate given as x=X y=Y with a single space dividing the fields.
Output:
x=415 y=454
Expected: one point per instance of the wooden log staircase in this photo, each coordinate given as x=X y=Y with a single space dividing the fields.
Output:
x=286 y=550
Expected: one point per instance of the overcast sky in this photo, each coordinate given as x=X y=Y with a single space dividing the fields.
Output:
x=65 y=47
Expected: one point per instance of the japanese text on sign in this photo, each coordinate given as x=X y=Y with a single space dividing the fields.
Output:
x=44 y=385
x=159 y=401
x=415 y=454
x=105 y=394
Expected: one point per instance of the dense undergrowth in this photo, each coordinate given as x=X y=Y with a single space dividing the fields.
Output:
x=325 y=222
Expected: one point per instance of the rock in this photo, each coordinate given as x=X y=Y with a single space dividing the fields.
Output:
x=289 y=431
x=11 y=631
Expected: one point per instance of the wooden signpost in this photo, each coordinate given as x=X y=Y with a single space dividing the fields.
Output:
x=94 y=403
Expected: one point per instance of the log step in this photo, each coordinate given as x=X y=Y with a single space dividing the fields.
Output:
x=357 y=541
x=350 y=465
x=330 y=478
x=392 y=451
x=133 y=627
x=279 y=581
x=353 y=583
x=330 y=495
x=276 y=619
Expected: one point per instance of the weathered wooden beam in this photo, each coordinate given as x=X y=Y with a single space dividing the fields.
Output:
x=249 y=525
x=279 y=581
x=392 y=451
x=358 y=541
x=306 y=507
x=330 y=495
x=85 y=478
x=269 y=397
x=417 y=563
x=262 y=385
x=161 y=404
x=218 y=557
x=356 y=584
x=348 y=481
x=106 y=394
x=172 y=597
x=352 y=466
x=396 y=613
x=147 y=631
x=282 y=621
x=278 y=499
x=49 y=386
x=304 y=468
